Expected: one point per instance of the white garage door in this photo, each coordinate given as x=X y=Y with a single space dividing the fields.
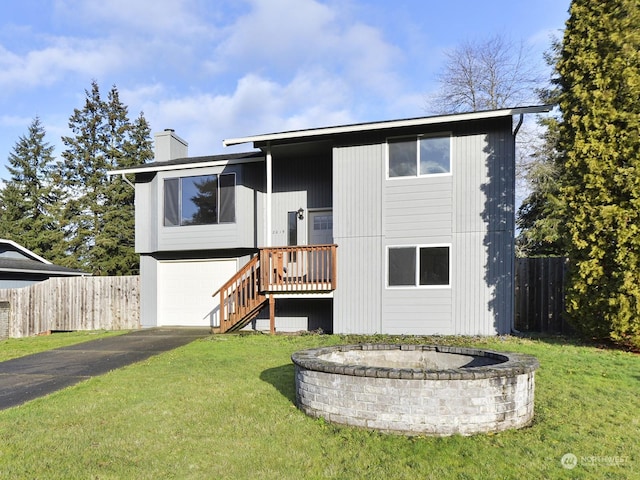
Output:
x=185 y=288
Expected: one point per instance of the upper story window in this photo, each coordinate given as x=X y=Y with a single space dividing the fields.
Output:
x=418 y=156
x=201 y=200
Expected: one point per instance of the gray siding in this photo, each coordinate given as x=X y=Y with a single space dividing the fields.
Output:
x=298 y=184
x=484 y=191
x=418 y=208
x=471 y=210
x=148 y=291
x=152 y=236
x=417 y=211
x=358 y=174
x=146 y=223
x=297 y=314
x=18 y=283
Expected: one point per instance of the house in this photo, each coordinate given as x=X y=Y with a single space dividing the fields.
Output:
x=20 y=267
x=398 y=227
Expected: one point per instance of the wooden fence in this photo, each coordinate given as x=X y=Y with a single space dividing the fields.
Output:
x=539 y=288
x=113 y=303
x=76 y=303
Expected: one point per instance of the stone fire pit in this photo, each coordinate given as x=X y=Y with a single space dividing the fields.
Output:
x=416 y=389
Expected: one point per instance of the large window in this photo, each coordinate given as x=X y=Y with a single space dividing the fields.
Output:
x=201 y=200
x=411 y=156
x=413 y=266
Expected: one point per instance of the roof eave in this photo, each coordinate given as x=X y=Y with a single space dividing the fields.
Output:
x=60 y=273
x=183 y=166
x=34 y=256
x=411 y=122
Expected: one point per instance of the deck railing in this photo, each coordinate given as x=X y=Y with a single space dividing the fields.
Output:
x=298 y=269
x=302 y=268
x=240 y=297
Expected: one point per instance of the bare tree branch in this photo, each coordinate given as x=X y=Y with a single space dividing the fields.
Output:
x=485 y=75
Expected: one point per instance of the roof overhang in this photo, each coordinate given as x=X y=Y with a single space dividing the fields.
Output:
x=26 y=251
x=53 y=272
x=152 y=167
x=367 y=127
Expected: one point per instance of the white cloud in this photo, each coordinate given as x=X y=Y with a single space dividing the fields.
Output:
x=282 y=32
x=177 y=18
x=289 y=36
x=14 y=121
x=63 y=56
x=257 y=105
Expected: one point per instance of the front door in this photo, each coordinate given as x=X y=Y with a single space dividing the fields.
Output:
x=320 y=227
x=320 y=233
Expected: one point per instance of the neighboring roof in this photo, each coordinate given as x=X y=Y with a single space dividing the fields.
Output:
x=14 y=265
x=366 y=127
x=181 y=163
x=18 y=259
x=24 y=251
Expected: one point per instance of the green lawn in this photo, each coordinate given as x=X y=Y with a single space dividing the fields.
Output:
x=222 y=407
x=18 y=347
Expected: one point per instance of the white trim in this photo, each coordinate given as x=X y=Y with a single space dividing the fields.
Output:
x=52 y=273
x=184 y=166
x=364 y=127
x=269 y=187
x=163 y=181
x=417 y=285
x=417 y=138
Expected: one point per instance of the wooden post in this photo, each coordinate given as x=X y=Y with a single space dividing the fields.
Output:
x=272 y=314
x=221 y=315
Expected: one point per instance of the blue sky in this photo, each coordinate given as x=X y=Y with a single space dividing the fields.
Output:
x=216 y=69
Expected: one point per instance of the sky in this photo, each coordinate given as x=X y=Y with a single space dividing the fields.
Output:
x=217 y=69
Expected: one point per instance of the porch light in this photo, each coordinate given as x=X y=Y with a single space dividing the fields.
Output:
x=300 y=213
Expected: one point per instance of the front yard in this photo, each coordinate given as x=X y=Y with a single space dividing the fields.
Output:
x=222 y=407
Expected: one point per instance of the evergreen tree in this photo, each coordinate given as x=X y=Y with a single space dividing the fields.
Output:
x=30 y=197
x=99 y=213
x=600 y=132
x=83 y=172
x=130 y=145
x=540 y=215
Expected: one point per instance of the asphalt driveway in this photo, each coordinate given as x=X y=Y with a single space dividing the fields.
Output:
x=25 y=378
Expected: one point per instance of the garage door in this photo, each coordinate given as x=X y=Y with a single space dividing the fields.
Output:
x=185 y=288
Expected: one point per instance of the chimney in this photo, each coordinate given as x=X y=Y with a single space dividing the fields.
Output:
x=170 y=146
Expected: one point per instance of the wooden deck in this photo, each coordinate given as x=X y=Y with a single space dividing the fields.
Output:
x=273 y=271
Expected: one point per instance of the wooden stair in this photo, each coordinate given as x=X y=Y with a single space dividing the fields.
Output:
x=274 y=271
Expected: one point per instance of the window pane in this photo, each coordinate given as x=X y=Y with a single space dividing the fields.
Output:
x=403 y=156
x=171 y=206
x=292 y=220
x=402 y=266
x=435 y=155
x=228 y=198
x=199 y=200
x=434 y=266
x=323 y=222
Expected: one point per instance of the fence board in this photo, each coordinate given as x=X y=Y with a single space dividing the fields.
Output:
x=539 y=288
x=75 y=303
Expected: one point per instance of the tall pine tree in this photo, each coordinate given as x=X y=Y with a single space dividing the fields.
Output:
x=30 y=198
x=600 y=134
x=83 y=172
x=540 y=215
x=99 y=214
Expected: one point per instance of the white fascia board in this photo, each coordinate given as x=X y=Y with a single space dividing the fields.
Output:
x=46 y=272
x=184 y=166
x=26 y=251
x=411 y=122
